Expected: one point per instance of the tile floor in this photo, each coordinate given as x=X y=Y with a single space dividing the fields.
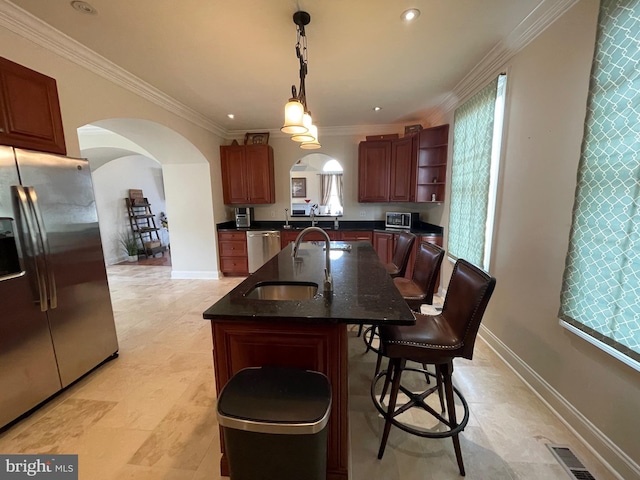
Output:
x=150 y=414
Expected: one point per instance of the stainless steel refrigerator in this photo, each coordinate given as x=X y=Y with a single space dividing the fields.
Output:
x=56 y=319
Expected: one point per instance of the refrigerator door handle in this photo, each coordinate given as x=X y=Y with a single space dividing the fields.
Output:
x=34 y=244
x=53 y=294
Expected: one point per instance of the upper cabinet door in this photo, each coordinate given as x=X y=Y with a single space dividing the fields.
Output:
x=374 y=160
x=234 y=179
x=402 y=162
x=260 y=173
x=30 y=111
x=247 y=174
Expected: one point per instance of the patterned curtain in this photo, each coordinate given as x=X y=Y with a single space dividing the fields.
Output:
x=470 y=175
x=601 y=287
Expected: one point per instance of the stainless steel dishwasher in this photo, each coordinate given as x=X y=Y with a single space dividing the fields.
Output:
x=261 y=246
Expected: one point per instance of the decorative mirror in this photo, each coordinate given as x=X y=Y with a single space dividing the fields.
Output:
x=316 y=182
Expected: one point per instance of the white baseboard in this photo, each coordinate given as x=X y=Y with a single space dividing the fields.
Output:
x=194 y=275
x=612 y=457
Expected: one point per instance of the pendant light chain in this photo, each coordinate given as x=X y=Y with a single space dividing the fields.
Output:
x=302 y=54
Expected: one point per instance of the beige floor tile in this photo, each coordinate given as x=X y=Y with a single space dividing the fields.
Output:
x=149 y=403
x=180 y=441
x=61 y=428
x=136 y=472
x=150 y=414
x=209 y=468
x=101 y=450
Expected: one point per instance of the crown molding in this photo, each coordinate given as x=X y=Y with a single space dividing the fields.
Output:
x=547 y=12
x=22 y=23
x=350 y=130
x=31 y=28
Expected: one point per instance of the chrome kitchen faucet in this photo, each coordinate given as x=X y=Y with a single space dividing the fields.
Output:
x=328 y=279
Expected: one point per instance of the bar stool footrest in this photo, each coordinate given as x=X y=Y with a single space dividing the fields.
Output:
x=400 y=409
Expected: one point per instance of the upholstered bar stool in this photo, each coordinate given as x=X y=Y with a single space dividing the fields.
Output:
x=401 y=253
x=419 y=288
x=434 y=340
x=397 y=268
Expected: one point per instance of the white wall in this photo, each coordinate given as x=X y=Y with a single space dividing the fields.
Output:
x=546 y=104
x=111 y=183
x=189 y=208
x=88 y=98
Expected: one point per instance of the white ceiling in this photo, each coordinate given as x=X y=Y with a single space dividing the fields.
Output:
x=238 y=56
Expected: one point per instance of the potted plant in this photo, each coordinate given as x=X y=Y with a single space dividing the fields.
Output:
x=130 y=245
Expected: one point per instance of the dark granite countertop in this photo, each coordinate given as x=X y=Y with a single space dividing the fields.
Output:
x=421 y=228
x=363 y=291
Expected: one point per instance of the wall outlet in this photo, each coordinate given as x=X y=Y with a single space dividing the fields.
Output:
x=363 y=213
x=273 y=214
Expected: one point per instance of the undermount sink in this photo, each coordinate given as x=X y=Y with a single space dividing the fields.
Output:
x=283 y=291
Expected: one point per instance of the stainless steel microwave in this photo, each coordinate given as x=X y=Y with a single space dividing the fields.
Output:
x=403 y=220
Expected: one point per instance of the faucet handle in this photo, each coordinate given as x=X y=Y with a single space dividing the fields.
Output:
x=328 y=281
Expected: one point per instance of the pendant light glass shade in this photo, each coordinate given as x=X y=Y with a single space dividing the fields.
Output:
x=313 y=143
x=306 y=136
x=293 y=118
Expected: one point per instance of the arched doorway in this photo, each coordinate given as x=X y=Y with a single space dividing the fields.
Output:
x=316 y=182
x=186 y=184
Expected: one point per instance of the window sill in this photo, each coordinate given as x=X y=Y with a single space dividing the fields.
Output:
x=602 y=346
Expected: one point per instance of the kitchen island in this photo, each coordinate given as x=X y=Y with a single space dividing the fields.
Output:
x=307 y=333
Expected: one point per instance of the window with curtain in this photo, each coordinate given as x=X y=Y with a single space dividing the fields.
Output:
x=477 y=136
x=601 y=285
x=331 y=192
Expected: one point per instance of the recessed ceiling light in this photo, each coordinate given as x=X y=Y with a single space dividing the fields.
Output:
x=377 y=109
x=410 y=14
x=83 y=7
x=231 y=116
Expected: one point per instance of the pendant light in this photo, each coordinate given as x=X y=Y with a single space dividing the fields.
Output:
x=297 y=118
x=312 y=144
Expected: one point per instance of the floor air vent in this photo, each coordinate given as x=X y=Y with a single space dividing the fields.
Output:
x=570 y=462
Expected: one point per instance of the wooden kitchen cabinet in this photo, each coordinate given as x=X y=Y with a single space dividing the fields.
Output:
x=322 y=348
x=356 y=236
x=374 y=163
x=402 y=170
x=232 y=251
x=431 y=167
x=408 y=169
x=289 y=236
x=385 y=170
x=247 y=174
x=29 y=110
x=383 y=243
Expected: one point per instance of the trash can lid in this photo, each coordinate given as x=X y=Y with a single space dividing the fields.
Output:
x=279 y=400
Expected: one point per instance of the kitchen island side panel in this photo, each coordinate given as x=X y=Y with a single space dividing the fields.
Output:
x=239 y=344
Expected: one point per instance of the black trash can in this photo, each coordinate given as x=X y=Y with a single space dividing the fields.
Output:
x=274 y=421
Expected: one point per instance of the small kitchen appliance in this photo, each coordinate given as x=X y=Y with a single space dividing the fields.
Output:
x=243 y=217
x=401 y=220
